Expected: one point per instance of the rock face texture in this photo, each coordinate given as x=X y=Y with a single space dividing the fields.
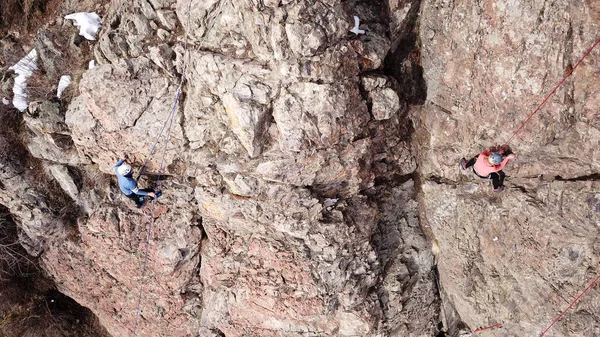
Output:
x=520 y=257
x=288 y=205
x=308 y=172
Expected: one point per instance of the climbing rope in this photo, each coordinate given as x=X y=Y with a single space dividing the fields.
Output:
x=168 y=121
x=570 y=306
x=510 y=139
x=497 y=325
x=551 y=93
x=519 y=130
x=153 y=149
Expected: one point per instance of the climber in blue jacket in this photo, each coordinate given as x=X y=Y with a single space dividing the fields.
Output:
x=128 y=185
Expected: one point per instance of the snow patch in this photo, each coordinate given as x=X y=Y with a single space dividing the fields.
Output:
x=355 y=29
x=24 y=68
x=5 y=101
x=92 y=64
x=63 y=83
x=88 y=24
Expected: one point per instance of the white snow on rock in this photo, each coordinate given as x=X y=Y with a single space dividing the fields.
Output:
x=355 y=29
x=63 y=83
x=24 y=68
x=88 y=24
x=5 y=101
x=92 y=64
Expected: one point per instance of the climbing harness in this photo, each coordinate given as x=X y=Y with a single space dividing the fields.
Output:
x=551 y=93
x=169 y=122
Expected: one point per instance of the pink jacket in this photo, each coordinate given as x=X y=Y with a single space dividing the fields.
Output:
x=484 y=168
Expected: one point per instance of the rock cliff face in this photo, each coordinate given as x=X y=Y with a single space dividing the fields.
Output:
x=520 y=257
x=288 y=205
x=308 y=171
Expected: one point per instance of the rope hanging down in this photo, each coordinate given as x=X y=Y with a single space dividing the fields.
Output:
x=519 y=130
x=497 y=325
x=153 y=149
x=168 y=121
x=175 y=103
x=570 y=306
x=149 y=232
x=551 y=93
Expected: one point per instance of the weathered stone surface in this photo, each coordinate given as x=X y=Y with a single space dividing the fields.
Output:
x=290 y=206
x=407 y=286
x=402 y=17
x=521 y=244
x=512 y=257
x=287 y=209
x=111 y=247
x=247 y=119
x=162 y=55
x=122 y=109
x=373 y=46
x=384 y=99
x=48 y=53
x=33 y=205
x=50 y=137
x=263 y=32
x=318 y=123
x=126 y=34
x=167 y=18
x=229 y=94
x=61 y=174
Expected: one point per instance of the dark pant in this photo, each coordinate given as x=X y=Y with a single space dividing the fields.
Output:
x=138 y=198
x=497 y=177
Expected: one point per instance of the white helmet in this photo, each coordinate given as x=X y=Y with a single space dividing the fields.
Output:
x=124 y=169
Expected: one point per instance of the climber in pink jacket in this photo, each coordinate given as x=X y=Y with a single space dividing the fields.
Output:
x=488 y=165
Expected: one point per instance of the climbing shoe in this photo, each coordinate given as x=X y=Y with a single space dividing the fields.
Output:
x=463 y=164
x=499 y=189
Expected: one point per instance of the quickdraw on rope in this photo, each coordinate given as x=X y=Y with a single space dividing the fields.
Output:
x=551 y=93
x=169 y=122
x=570 y=306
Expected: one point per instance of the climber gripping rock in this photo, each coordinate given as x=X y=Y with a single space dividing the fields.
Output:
x=488 y=165
x=128 y=185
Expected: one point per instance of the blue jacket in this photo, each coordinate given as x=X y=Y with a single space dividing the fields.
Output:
x=127 y=184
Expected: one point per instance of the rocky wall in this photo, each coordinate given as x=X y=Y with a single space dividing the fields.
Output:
x=288 y=205
x=521 y=256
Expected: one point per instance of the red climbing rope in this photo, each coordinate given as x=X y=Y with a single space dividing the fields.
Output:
x=552 y=92
x=570 y=306
x=497 y=325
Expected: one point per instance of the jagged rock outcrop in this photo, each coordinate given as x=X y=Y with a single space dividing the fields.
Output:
x=520 y=257
x=288 y=206
x=291 y=206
